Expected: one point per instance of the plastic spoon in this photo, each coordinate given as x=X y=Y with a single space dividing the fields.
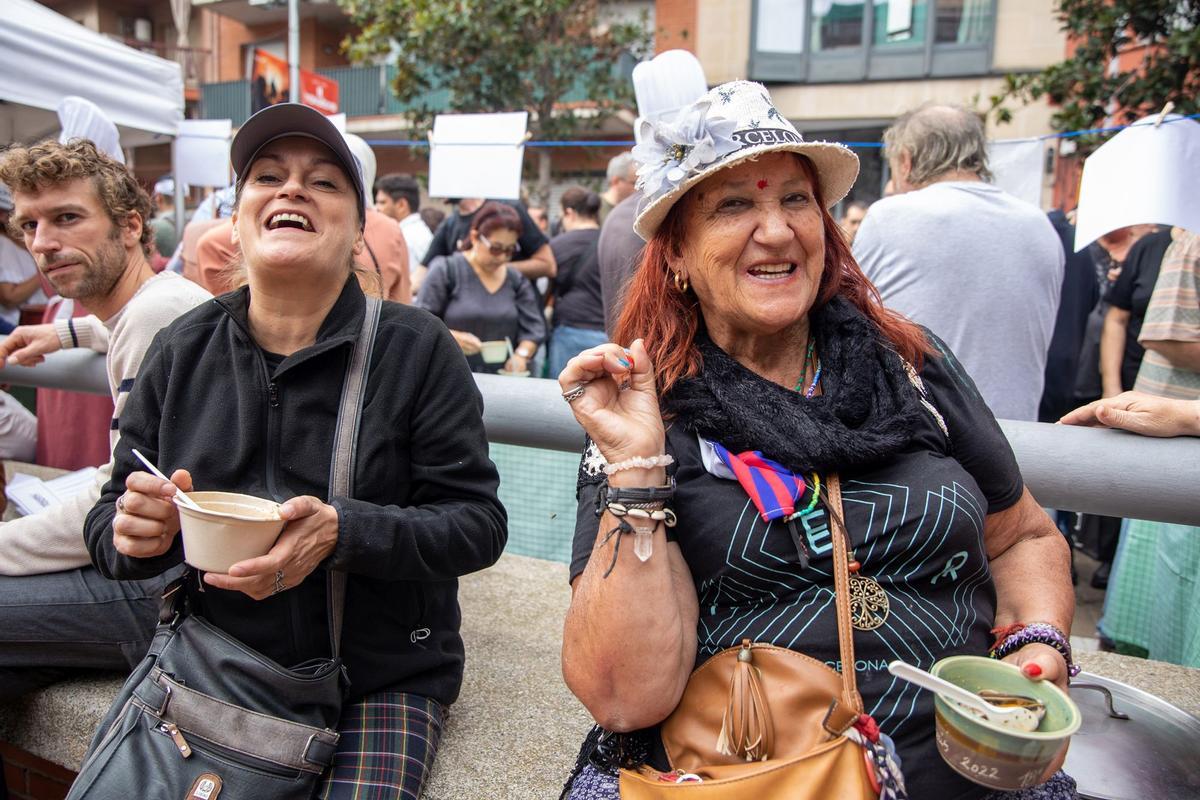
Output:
x=187 y=501
x=1018 y=717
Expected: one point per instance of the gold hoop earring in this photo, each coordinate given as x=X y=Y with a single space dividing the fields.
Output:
x=681 y=285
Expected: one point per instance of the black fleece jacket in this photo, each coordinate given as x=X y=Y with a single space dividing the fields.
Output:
x=425 y=508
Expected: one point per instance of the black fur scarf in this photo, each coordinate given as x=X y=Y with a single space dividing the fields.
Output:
x=867 y=411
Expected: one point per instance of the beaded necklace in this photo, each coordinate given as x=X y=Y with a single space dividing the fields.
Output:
x=869 y=604
x=808 y=393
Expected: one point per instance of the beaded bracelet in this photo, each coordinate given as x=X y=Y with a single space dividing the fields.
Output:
x=1011 y=638
x=638 y=462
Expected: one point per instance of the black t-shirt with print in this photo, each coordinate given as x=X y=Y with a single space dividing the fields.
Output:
x=916 y=525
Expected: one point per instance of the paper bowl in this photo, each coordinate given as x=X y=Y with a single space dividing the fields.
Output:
x=494 y=351
x=987 y=753
x=231 y=528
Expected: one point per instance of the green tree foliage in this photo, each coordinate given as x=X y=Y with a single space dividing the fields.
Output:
x=556 y=59
x=1085 y=89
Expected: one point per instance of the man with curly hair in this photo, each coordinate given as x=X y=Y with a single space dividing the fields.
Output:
x=84 y=219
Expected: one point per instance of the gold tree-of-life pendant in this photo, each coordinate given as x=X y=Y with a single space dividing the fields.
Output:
x=868 y=603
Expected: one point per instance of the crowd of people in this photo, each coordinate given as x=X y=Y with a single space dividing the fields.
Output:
x=715 y=331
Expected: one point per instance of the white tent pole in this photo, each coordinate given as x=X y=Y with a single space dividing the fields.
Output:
x=294 y=51
x=180 y=199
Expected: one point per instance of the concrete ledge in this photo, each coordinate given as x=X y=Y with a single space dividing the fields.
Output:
x=515 y=730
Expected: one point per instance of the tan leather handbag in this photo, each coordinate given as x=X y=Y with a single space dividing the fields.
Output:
x=760 y=721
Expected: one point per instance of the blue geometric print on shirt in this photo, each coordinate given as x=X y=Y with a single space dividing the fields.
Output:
x=767 y=598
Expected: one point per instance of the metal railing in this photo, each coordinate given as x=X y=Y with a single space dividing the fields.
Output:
x=1074 y=469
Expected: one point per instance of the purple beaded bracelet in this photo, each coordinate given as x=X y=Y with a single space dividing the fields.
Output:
x=1038 y=633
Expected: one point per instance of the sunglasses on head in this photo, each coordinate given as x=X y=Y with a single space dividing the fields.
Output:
x=499 y=249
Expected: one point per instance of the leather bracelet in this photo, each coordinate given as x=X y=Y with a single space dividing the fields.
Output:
x=1012 y=638
x=634 y=495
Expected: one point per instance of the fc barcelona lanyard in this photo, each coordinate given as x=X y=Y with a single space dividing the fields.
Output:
x=775 y=490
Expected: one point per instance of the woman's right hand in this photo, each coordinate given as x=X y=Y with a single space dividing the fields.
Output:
x=147 y=519
x=469 y=343
x=624 y=423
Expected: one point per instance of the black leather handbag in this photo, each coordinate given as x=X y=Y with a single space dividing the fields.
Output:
x=203 y=715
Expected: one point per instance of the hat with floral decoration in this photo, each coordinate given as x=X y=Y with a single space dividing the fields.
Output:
x=732 y=123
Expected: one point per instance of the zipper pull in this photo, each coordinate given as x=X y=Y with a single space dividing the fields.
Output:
x=172 y=730
x=273 y=394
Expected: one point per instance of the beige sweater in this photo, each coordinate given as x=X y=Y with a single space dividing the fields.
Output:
x=52 y=541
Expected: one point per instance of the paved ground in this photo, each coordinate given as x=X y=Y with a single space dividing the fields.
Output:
x=516 y=729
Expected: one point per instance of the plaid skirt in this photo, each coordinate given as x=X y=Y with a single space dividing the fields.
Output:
x=389 y=741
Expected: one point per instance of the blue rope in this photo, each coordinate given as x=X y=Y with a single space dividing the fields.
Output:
x=630 y=143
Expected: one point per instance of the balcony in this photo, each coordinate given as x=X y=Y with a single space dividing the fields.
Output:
x=194 y=61
x=362 y=92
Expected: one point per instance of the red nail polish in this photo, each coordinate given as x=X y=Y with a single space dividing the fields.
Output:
x=1032 y=670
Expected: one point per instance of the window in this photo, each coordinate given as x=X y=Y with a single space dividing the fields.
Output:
x=780 y=26
x=900 y=23
x=837 y=41
x=963 y=21
x=837 y=24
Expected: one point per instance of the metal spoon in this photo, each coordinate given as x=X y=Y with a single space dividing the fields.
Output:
x=1018 y=716
x=187 y=501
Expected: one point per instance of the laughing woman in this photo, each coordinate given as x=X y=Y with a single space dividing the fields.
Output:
x=244 y=394
x=759 y=355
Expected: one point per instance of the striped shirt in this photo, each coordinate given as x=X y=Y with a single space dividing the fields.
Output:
x=1173 y=315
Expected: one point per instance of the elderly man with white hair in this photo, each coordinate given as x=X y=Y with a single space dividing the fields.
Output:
x=980 y=268
x=621 y=176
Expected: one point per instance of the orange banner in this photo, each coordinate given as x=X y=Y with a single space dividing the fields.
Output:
x=269 y=85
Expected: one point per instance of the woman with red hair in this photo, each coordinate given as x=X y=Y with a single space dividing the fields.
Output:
x=759 y=367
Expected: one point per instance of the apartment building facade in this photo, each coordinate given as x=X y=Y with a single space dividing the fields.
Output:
x=844 y=69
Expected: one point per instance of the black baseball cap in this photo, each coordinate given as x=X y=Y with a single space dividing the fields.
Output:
x=295 y=119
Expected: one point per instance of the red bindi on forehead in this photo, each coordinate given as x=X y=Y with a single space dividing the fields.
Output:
x=764 y=183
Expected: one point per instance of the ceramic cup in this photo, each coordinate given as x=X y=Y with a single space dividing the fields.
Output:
x=494 y=351
x=231 y=528
x=987 y=753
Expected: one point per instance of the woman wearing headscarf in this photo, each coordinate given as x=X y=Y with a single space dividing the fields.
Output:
x=756 y=354
x=242 y=395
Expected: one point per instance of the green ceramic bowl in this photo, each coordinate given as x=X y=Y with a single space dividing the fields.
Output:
x=985 y=752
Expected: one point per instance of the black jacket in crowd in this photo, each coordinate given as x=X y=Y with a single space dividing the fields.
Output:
x=425 y=509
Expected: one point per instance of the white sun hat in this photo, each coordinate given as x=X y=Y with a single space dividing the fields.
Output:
x=732 y=123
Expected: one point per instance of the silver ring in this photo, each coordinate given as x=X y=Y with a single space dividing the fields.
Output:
x=121 y=504
x=571 y=395
x=279 y=584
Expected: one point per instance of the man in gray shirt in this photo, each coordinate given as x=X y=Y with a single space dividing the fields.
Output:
x=980 y=268
x=619 y=252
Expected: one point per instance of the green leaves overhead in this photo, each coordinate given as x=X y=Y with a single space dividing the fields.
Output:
x=1129 y=58
x=548 y=57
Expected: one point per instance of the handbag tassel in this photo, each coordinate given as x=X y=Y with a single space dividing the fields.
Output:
x=746 y=729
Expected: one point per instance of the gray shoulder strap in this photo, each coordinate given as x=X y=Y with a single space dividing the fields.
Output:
x=345 y=441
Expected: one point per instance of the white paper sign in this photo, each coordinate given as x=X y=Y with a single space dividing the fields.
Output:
x=1017 y=168
x=1142 y=175
x=31 y=495
x=477 y=155
x=338 y=120
x=202 y=152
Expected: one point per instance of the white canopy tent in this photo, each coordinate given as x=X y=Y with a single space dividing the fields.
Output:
x=44 y=57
